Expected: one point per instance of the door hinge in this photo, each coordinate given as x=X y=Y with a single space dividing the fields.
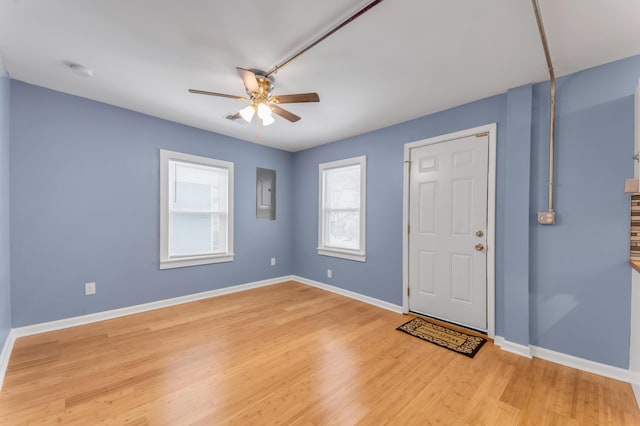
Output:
x=408 y=228
x=409 y=164
x=480 y=135
x=408 y=291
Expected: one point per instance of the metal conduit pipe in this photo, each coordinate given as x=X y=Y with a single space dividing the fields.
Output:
x=548 y=217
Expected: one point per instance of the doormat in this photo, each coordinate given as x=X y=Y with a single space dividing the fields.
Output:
x=456 y=341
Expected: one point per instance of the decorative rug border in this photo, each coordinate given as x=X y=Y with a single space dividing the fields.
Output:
x=469 y=350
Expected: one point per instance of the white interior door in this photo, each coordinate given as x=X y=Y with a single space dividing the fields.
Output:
x=447 y=230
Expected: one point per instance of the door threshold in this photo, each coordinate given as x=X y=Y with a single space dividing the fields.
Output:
x=451 y=323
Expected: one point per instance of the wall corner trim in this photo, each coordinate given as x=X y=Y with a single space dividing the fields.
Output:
x=351 y=294
x=6 y=354
x=516 y=348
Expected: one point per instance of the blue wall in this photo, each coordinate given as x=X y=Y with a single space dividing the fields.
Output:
x=85 y=207
x=580 y=278
x=5 y=262
x=517 y=161
x=81 y=169
x=564 y=287
x=381 y=275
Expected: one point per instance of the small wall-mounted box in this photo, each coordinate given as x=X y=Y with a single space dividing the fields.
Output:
x=265 y=194
x=547 y=218
x=631 y=186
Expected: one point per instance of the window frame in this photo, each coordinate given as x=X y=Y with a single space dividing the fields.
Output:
x=167 y=262
x=343 y=253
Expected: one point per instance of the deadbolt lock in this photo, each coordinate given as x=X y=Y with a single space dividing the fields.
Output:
x=479 y=233
x=479 y=247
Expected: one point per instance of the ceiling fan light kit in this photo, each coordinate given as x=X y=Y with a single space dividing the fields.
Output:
x=259 y=86
x=247 y=113
x=264 y=112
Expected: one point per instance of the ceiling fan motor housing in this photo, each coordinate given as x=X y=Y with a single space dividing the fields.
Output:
x=266 y=87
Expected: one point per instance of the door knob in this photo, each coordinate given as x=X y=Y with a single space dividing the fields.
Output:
x=479 y=233
x=479 y=247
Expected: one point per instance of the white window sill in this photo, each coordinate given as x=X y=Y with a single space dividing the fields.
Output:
x=194 y=261
x=343 y=254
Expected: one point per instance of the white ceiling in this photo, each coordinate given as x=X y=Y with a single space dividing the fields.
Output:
x=401 y=60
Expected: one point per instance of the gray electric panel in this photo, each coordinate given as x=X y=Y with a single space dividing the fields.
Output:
x=265 y=194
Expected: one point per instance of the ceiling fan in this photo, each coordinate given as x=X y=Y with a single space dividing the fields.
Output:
x=259 y=85
x=259 y=90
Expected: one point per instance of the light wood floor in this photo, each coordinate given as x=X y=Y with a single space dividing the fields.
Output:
x=288 y=354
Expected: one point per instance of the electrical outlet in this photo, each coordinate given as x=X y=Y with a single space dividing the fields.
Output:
x=89 y=288
x=273 y=261
x=329 y=273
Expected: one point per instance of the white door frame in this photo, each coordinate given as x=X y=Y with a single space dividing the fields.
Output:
x=491 y=217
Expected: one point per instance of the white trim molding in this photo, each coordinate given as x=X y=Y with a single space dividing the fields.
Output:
x=136 y=309
x=571 y=361
x=351 y=294
x=518 y=349
x=598 y=368
x=324 y=249
x=515 y=348
x=491 y=217
x=224 y=211
x=6 y=354
x=130 y=310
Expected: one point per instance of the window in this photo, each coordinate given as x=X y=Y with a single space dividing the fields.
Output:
x=341 y=229
x=196 y=210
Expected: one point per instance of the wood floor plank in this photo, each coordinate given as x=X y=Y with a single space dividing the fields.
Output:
x=288 y=354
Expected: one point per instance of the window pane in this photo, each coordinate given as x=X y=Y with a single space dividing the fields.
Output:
x=197 y=187
x=342 y=229
x=343 y=188
x=193 y=234
x=196 y=214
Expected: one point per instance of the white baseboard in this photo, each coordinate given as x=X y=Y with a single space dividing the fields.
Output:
x=605 y=370
x=351 y=294
x=515 y=348
x=6 y=354
x=582 y=364
x=522 y=350
x=130 y=310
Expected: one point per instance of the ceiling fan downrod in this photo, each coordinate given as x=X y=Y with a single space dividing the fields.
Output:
x=323 y=37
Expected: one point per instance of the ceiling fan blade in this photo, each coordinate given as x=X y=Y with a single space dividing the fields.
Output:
x=222 y=95
x=297 y=98
x=249 y=79
x=284 y=113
